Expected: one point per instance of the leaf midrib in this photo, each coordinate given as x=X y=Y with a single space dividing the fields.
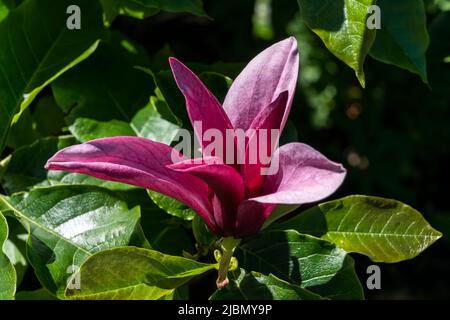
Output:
x=43 y=227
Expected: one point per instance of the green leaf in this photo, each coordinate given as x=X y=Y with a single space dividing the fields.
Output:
x=216 y=83
x=141 y=9
x=204 y=237
x=443 y=5
x=147 y=123
x=134 y=274
x=256 y=286
x=172 y=206
x=7 y=273
x=22 y=132
x=106 y=86
x=24 y=171
x=439 y=50
x=280 y=211
x=16 y=257
x=40 y=294
x=303 y=260
x=5 y=7
x=385 y=230
x=36 y=47
x=403 y=38
x=85 y=129
x=67 y=224
x=342 y=26
x=164 y=232
x=48 y=117
x=15 y=248
x=167 y=90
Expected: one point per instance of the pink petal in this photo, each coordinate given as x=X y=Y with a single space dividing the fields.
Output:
x=226 y=184
x=269 y=118
x=304 y=176
x=201 y=104
x=136 y=161
x=251 y=216
x=271 y=72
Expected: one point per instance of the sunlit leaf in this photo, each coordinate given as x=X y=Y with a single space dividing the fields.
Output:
x=67 y=224
x=7 y=272
x=134 y=274
x=342 y=26
x=385 y=230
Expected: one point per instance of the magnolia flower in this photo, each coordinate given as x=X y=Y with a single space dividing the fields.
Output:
x=233 y=199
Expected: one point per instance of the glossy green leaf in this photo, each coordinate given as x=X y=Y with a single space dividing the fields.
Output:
x=403 y=37
x=106 y=86
x=36 y=47
x=385 y=230
x=7 y=271
x=16 y=257
x=172 y=206
x=342 y=26
x=133 y=274
x=85 y=129
x=256 y=286
x=67 y=224
x=141 y=9
x=167 y=90
x=302 y=260
x=147 y=123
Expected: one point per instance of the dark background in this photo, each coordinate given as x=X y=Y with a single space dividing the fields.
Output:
x=393 y=136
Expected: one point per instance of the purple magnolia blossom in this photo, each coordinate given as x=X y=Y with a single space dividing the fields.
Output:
x=234 y=200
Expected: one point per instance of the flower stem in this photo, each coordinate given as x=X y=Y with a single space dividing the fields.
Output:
x=228 y=246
